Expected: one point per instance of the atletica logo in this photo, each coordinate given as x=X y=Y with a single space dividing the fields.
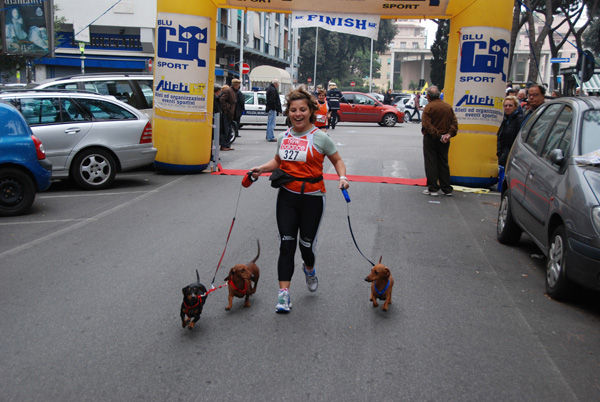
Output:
x=476 y=100
x=195 y=88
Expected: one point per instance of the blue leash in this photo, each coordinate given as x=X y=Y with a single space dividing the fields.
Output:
x=347 y=197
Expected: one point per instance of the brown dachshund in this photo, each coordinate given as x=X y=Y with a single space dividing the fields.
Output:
x=381 y=285
x=240 y=280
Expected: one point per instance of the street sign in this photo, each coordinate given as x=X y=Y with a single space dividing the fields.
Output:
x=560 y=60
x=309 y=79
x=245 y=68
x=352 y=84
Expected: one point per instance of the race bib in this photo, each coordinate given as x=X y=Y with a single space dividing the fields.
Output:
x=321 y=118
x=293 y=149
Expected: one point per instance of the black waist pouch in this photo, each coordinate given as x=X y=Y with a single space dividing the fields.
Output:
x=279 y=177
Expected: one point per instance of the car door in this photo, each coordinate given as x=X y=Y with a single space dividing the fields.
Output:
x=365 y=109
x=251 y=111
x=58 y=123
x=544 y=175
x=524 y=162
x=346 y=112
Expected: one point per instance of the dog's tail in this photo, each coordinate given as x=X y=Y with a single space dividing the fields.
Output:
x=380 y=258
x=257 y=255
x=197 y=276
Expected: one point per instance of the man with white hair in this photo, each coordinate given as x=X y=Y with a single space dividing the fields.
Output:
x=272 y=109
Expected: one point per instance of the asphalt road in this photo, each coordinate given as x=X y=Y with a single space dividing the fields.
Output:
x=90 y=290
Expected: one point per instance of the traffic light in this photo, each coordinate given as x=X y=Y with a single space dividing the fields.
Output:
x=586 y=65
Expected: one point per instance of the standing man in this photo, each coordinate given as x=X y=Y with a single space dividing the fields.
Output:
x=239 y=104
x=334 y=96
x=438 y=125
x=536 y=96
x=273 y=109
x=228 y=100
x=387 y=98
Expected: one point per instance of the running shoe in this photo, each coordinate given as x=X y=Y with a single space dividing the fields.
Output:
x=311 y=279
x=284 y=305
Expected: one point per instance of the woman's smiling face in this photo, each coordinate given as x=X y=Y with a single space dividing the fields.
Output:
x=299 y=113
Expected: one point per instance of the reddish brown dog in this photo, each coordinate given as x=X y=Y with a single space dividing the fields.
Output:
x=240 y=280
x=381 y=285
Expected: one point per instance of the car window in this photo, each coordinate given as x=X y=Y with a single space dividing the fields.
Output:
x=560 y=133
x=71 y=87
x=364 y=100
x=249 y=99
x=590 y=140
x=102 y=110
x=39 y=110
x=120 y=89
x=262 y=99
x=540 y=127
x=146 y=87
x=349 y=98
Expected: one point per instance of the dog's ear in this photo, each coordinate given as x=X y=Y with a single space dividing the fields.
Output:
x=229 y=276
x=388 y=272
x=183 y=291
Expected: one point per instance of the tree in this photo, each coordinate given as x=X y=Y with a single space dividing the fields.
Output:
x=341 y=57
x=591 y=37
x=439 y=50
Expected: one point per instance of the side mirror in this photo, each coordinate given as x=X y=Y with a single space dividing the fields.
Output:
x=557 y=157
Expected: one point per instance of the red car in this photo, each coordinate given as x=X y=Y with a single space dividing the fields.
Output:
x=363 y=108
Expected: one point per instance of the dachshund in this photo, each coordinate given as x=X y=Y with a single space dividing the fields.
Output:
x=194 y=297
x=381 y=285
x=240 y=278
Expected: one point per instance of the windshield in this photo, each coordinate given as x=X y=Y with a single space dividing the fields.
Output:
x=590 y=138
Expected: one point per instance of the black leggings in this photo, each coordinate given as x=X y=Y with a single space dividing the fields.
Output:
x=296 y=212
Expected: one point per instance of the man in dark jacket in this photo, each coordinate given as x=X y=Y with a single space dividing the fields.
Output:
x=228 y=100
x=240 y=104
x=273 y=109
x=334 y=97
x=388 y=98
x=438 y=125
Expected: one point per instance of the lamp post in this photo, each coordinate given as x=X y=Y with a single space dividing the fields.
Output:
x=82 y=50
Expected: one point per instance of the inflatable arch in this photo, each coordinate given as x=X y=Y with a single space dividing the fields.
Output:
x=475 y=74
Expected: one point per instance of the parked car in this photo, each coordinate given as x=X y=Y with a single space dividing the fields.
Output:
x=255 y=104
x=551 y=191
x=365 y=109
x=377 y=96
x=87 y=137
x=24 y=168
x=134 y=89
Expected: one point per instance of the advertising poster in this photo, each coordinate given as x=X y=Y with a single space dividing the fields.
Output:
x=182 y=54
x=481 y=75
x=28 y=27
x=377 y=7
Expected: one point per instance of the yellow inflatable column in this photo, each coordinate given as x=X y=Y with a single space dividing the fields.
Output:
x=183 y=84
x=476 y=75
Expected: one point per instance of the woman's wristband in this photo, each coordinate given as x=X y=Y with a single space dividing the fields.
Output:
x=343 y=178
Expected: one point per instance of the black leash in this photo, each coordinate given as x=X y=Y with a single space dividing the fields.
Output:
x=347 y=197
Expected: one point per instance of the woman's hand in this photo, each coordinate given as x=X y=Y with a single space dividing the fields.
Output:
x=344 y=183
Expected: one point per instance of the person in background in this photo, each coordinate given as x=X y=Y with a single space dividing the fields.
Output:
x=273 y=109
x=300 y=202
x=388 y=98
x=334 y=96
x=438 y=125
x=323 y=114
x=509 y=128
x=239 y=104
x=217 y=109
x=536 y=96
x=556 y=93
x=228 y=100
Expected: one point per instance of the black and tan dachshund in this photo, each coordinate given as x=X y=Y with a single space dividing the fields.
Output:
x=194 y=297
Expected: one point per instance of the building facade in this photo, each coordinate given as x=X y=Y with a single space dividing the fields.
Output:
x=121 y=38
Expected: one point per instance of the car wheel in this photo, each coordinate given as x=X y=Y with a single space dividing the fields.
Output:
x=557 y=284
x=389 y=120
x=507 y=230
x=17 y=192
x=94 y=169
x=233 y=132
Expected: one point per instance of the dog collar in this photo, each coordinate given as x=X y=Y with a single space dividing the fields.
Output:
x=380 y=293
x=239 y=290
x=187 y=308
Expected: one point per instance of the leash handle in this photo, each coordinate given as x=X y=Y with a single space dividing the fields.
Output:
x=346 y=196
x=248 y=179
